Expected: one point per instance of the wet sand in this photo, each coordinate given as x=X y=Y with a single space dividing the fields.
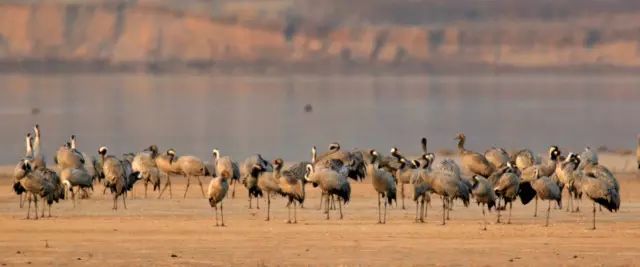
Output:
x=180 y=231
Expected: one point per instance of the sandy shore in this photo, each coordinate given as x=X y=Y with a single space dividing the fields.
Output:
x=181 y=232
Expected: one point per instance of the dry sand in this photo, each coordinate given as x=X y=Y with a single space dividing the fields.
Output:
x=178 y=231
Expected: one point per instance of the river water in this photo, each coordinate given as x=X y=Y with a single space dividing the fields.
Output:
x=246 y=114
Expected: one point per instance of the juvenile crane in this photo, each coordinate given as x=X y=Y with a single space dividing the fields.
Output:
x=217 y=191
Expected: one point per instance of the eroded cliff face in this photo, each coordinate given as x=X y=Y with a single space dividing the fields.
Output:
x=116 y=34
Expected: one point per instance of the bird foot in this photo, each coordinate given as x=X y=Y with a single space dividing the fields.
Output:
x=288 y=222
x=222 y=225
x=266 y=219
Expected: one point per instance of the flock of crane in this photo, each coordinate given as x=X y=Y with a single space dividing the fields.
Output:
x=496 y=178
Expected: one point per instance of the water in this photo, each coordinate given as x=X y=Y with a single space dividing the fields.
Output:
x=243 y=115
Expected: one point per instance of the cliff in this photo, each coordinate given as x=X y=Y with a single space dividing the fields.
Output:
x=320 y=35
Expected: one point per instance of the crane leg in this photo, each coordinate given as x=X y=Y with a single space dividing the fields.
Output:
x=402 y=193
x=484 y=219
x=548 y=211
x=594 y=216
x=221 y=214
x=443 y=209
x=187 y=188
x=510 y=206
x=379 y=211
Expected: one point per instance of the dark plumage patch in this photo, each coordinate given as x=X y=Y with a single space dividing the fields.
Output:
x=606 y=203
x=343 y=192
x=131 y=180
x=526 y=193
x=255 y=192
x=17 y=187
x=391 y=196
x=491 y=204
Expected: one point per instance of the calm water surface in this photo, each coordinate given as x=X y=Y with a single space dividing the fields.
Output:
x=242 y=115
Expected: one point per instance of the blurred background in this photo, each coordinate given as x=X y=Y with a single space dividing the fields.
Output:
x=278 y=76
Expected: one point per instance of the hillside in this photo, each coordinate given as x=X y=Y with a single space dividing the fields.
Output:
x=332 y=35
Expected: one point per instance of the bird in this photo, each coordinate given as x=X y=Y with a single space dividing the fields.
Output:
x=332 y=183
x=54 y=191
x=336 y=162
x=18 y=171
x=191 y=166
x=403 y=175
x=75 y=177
x=566 y=172
x=384 y=184
x=39 y=184
x=290 y=186
x=353 y=161
x=250 y=176
x=389 y=162
x=17 y=187
x=247 y=165
x=421 y=188
x=472 y=161
x=333 y=149
x=506 y=188
x=38 y=161
x=235 y=170
x=544 y=169
x=498 y=157
x=588 y=156
x=445 y=180
x=268 y=184
x=533 y=172
x=600 y=172
x=600 y=192
x=217 y=191
x=66 y=157
x=524 y=158
x=484 y=194
x=547 y=189
x=423 y=147
x=145 y=163
x=166 y=164
x=115 y=177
